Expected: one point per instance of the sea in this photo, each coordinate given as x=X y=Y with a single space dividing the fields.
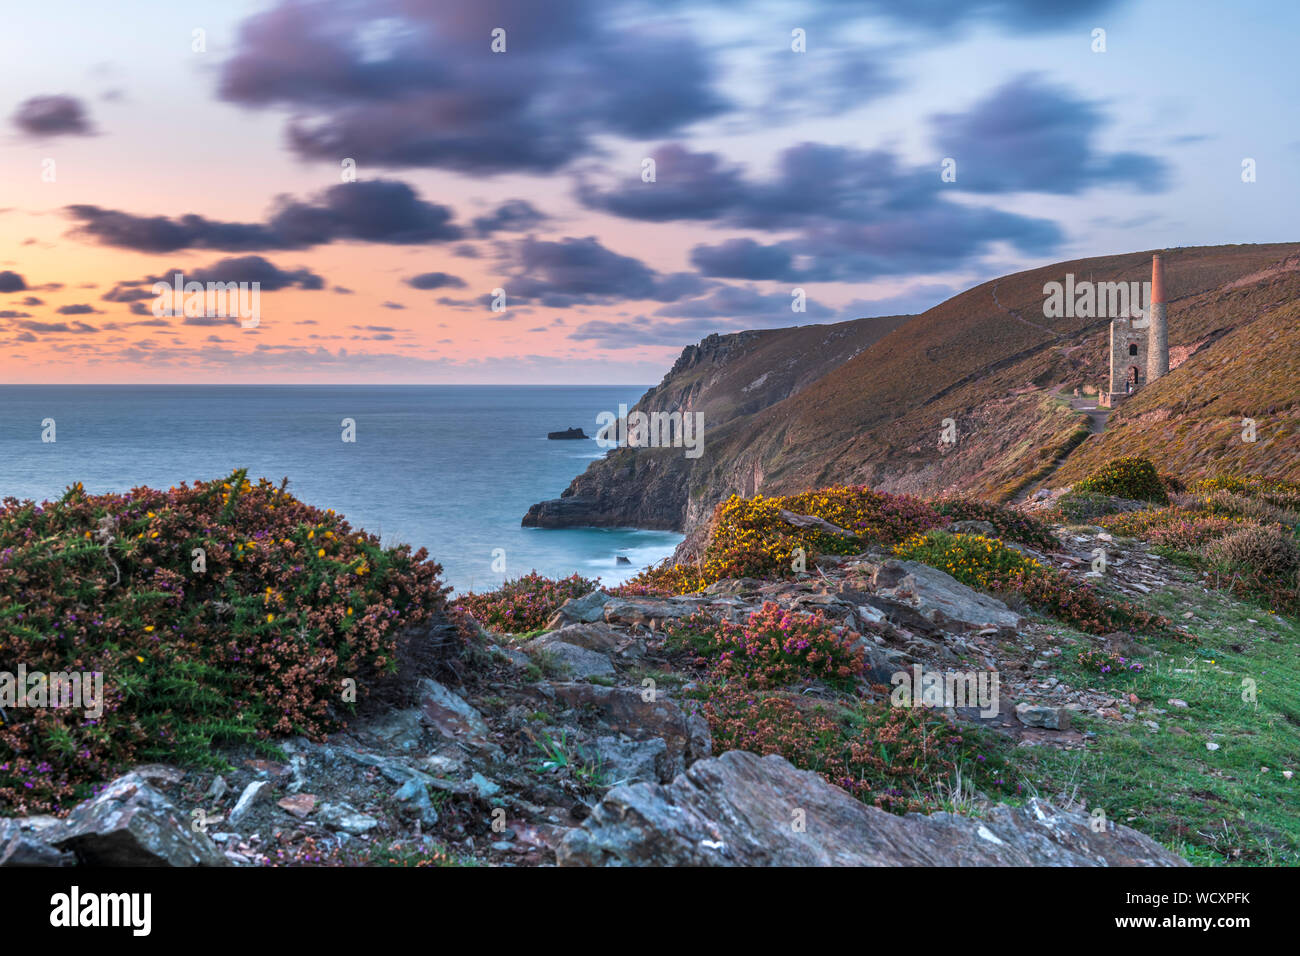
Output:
x=451 y=468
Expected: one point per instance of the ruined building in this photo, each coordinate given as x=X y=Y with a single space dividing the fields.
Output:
x=1139 y=345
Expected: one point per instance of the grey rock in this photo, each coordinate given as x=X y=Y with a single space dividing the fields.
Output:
x=599 y=637
x=628 y=761
x=587 y=609
x=624 y=710
x=1041 y=715
x=254 y=793
x=449 y=713
x=942 y=599
x=129 y=823
x=345 y=817
x=578 y=661
x=647 y=611
x=740 y=810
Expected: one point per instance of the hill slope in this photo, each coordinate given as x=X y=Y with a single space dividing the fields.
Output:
x=989 y=360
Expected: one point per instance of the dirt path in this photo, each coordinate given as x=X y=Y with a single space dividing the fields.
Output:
x=1097 y=418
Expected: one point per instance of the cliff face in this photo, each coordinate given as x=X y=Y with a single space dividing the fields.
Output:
x=727 y=378
x=866 y=402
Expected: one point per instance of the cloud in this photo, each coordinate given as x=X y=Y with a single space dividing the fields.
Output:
x=52 y=116
x=513 y=215
x=11 y=314
x=252 y=269
x=687 y=185
x=11 y=282
x=380 y=211
x=77 y=328
x=80 y=309
x=582 y=271
x=415 y=83
x=435 y=280
x=1031 y=136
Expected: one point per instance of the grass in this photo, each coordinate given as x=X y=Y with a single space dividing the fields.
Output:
x=1214 y=807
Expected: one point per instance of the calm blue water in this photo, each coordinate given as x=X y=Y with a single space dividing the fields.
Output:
x=449 y=468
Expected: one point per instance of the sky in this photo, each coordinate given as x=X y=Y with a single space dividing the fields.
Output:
x=571 y=191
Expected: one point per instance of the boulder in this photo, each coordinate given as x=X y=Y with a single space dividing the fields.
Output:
x=599 y=637
x=575 y=661
x=21 y=843
x=647 y=611
x=449 y=713
x=129 y=823
x=743 y=810
x=624 y=760
x=587 y=609
x=942 y=599
x=623 y=710
x=1041 y=715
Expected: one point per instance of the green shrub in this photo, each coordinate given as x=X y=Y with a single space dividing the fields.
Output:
x=222 y=612
x=1132 y=477
x=1266 y=553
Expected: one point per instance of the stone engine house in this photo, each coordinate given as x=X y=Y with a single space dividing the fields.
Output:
x=1139 y=346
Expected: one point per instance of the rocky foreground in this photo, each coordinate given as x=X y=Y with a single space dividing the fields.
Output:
x=580 y=746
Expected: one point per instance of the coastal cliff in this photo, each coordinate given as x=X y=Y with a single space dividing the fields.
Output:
x=867 y=401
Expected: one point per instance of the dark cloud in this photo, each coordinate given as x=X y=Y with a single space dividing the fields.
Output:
x=251 y=269
x=393 y=305
x=1031 y=136
x=382 y=211
x=76 y=328
x=513 y=215
x=52 y=116
x=11 y=282
x=414 y=83
x=79 y=309
x=582 y=271
x=32 y=300
x=435 y=280
x=11 y=314
x=123 y=292
x=687 y=185
x=742 y=259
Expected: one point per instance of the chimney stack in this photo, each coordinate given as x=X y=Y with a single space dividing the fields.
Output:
x=1158 y=331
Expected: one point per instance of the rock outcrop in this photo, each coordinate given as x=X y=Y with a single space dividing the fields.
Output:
x=743 y=810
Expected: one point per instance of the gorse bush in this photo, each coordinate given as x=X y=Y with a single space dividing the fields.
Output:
x=1132 y=477
x=990 y=565
x=750 y=538
x=526 y=603
x=227 y=611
